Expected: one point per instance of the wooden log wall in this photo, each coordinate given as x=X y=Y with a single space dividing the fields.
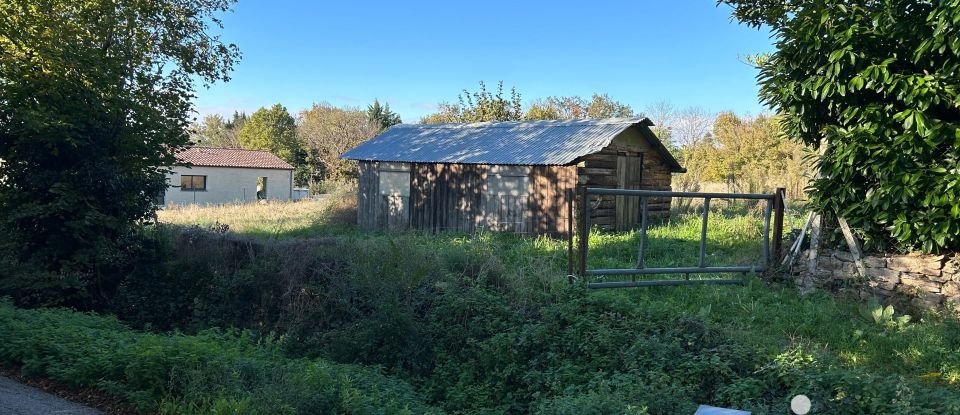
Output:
x=615 y=167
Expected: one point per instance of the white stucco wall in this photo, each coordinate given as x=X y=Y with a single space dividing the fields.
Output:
x=228 y=185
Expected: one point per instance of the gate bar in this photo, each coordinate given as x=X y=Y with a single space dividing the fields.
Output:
x=571 y=196
x=765 y=254
x=662 y=283
x=684 y=270
x=703 y=233
x=779 y=205
x=643 y=232
x=584 y=230
x=664 y=193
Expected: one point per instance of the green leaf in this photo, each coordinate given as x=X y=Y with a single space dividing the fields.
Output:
x=888 y=312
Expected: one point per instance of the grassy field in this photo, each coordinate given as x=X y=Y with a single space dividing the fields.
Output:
x=303 y=218
x=733 y=237
x=487 y=323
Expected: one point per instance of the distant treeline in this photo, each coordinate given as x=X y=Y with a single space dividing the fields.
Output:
x=742 y=152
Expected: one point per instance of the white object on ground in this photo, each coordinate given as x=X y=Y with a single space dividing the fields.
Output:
x=713 y=410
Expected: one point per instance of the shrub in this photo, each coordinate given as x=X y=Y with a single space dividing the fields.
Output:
x=877 y=82
x=211 y=371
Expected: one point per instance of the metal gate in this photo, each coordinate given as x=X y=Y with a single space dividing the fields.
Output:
x=774 y=207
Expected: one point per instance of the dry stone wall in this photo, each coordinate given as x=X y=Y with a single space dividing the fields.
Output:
x=927 y=281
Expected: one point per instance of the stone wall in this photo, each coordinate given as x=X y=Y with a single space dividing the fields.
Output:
x=927 y=281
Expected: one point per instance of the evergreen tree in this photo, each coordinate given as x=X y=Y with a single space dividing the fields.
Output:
x=382 y=116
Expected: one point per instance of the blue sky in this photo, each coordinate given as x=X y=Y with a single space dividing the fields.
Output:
x=419 y=53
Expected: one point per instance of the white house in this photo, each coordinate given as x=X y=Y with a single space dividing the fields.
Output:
x=228 y=175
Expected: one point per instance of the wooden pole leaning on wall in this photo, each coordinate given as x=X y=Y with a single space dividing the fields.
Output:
x=853 y=244
x=816 y=222
x=779 y=206
x=807 y=285
x=797 y=243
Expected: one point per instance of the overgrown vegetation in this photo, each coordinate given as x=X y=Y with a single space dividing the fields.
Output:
x=285 y=308
x=214 y=371
x=487 y=323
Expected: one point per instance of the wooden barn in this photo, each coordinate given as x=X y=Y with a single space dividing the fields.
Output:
x=508 y=176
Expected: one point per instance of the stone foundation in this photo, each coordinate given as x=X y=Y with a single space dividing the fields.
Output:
x=926 y=281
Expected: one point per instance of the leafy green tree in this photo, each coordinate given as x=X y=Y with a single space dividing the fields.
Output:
x=875 y=81
x=480 y=106
x=382 y=116
x=274 y=130
x=231 y=136
x=557 y=108
x=602 y=106
x=95 y=100
x=446 y=113
x=572 y=108
x=326 y=132
x=214 y=131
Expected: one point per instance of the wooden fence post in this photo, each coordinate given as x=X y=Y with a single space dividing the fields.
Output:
x=779 y=206
x=584 y=230
x=571 y=196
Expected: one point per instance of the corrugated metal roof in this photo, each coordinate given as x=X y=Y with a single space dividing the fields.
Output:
x=231 y=157
x=521 y=142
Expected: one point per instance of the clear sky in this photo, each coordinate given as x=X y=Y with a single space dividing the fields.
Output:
x=415 y=54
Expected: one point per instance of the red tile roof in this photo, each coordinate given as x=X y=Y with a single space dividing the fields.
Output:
x=232 y=157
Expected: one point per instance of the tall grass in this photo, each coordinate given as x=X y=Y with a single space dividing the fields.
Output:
x=487 y=323
x=329 y=212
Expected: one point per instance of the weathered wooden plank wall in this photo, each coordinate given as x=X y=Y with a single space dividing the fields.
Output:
x=550 y=190
x=376 y=210
x=446 y=197
x=506 y=213
x=394 y=212
x=368 y=195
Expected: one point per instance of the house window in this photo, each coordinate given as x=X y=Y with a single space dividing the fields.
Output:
x=193 y=183
x=395 y=179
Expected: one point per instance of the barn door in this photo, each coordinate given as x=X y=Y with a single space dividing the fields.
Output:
x=629 y=176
